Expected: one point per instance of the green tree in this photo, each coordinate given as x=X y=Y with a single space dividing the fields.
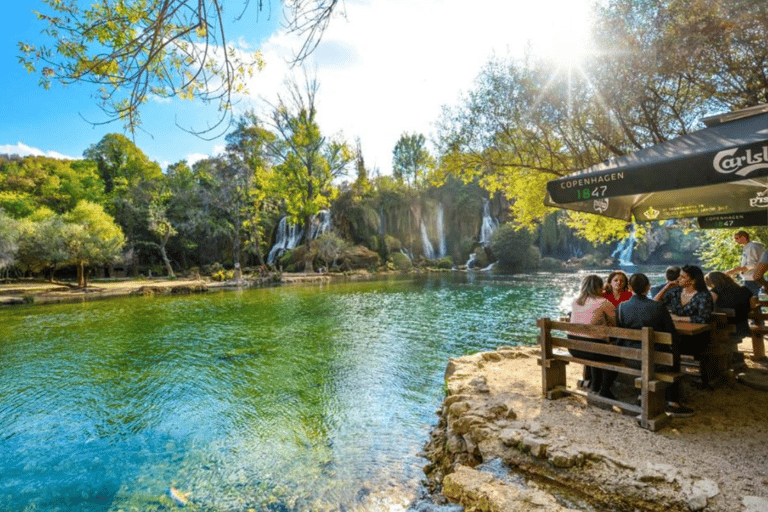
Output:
x=44 y=243
x=32 y=182
x=163 y=228
x=362 y=185
x=96 y=238
x=513 y=248
x=9 y=237
x=167 y=48
x=248 y=148
x=306 y=161
x=666 y=64
x=410 y=158
x=132 y=183
x=330 y=247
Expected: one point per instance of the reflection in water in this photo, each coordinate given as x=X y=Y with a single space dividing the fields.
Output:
x=291 y=398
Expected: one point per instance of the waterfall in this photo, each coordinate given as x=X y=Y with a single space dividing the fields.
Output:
x=489 y=224
x=429 y=251
x=287 y=237
x=471 y=260
x=623 y=251
x=382 y=226
x=321 y=223
x=442 y=252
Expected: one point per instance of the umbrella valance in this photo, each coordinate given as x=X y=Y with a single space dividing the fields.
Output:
x=718 y=170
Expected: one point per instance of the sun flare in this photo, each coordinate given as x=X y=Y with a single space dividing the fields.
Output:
x=562 y=31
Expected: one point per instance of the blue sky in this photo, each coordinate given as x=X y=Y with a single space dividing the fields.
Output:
x=385 y=68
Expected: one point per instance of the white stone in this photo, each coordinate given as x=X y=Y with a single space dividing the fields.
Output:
x=754 y=504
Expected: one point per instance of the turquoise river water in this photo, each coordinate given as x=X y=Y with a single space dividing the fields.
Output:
x=281 y=399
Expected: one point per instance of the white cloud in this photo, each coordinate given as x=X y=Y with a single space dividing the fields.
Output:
x=390 y=66
x=193 y=158
x=22 y=149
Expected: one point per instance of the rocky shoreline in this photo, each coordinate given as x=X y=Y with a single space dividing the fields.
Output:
x=19 y=293
x=499 y=446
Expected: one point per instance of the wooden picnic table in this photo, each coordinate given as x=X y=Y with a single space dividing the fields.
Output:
x=691 y=329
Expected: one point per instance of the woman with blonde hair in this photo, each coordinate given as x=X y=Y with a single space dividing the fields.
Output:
x=590 y=307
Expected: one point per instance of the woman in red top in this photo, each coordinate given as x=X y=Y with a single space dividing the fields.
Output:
x=617 y=288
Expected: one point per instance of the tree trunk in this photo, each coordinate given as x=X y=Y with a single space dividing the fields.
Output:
x=80 y=274
x=166 y=261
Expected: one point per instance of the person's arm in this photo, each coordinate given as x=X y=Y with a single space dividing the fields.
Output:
x=660 y=296
x=609 y=310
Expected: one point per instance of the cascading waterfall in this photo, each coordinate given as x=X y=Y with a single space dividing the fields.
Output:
x=442 y=251
x=489 y=225
x=623 y=251
x=321 y=223
x=289 y=235
x=429 y=251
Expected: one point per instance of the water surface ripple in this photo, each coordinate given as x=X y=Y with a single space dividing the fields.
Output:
x=290 y=398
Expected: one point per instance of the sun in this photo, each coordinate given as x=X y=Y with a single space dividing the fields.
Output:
x=560 y=31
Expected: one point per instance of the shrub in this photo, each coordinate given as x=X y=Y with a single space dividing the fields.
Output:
x=512 y=248
x=401 y=261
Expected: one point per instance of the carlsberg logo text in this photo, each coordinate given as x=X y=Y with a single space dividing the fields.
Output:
x=742 y=163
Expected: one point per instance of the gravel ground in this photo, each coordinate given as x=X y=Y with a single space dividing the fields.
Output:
x=726 y=441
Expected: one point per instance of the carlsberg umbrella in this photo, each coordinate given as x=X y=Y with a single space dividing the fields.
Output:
x=720 y=172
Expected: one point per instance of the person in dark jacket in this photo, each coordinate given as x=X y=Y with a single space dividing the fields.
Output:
x=639 y=312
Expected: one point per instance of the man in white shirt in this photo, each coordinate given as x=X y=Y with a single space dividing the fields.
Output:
x=750 y=255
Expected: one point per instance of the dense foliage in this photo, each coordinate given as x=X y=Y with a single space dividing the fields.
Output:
x=663 y=65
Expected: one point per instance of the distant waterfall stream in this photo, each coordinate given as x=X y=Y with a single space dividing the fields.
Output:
x=489 y=226
x=289 y=235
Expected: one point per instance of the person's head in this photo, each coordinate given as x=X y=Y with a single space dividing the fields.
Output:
x=639 y=283
x=741 y=237
x=719 y=280
x=591 y=286
x=691 y=275
x=617 y=281
x=672 y=273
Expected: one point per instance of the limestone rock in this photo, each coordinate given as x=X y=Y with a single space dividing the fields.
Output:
x=482 y=492
x=536 y=446
x=754 y=504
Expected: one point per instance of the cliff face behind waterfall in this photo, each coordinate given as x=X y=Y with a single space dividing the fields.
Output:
x=459 y=225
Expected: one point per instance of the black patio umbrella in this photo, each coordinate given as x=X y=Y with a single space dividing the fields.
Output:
x=719 y=173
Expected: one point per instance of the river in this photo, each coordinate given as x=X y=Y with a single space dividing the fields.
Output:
x=316 y=397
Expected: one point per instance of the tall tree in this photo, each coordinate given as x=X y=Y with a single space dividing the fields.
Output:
x=165 y=48
x=95 y=238
x=306 y=161
x=410 y=158
x=131 y=184
x=248 y=148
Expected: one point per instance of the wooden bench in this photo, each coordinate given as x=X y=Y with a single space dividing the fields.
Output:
x=758 y=329
x=651 y=411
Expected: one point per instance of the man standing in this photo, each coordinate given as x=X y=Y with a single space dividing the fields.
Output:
x=750 y=256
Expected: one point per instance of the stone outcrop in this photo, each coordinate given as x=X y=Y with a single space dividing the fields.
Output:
x=492 y=414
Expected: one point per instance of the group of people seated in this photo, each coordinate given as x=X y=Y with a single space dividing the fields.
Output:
x=687 y=295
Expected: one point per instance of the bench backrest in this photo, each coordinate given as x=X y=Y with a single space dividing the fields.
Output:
x=604 y=332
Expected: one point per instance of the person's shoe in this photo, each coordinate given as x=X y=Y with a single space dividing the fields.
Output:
x=679 y=411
